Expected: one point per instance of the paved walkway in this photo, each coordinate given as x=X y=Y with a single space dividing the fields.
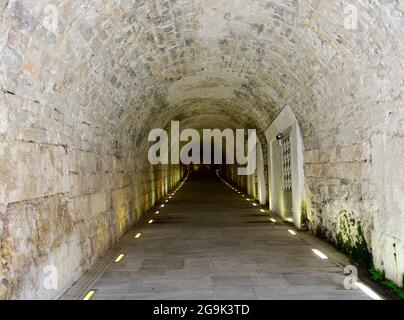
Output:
x=208 y=242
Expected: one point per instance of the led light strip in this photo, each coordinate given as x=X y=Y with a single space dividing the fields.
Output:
x=320 y=254
x=89 y=295
x=368 y=291
x=119 y=258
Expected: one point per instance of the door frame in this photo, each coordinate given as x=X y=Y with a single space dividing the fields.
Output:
x=285 y=121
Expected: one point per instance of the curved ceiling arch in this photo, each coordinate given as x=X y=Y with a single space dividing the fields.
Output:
x=127 y=65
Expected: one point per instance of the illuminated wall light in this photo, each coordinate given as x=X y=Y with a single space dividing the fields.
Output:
x=166 y=201
x=292 y=232
x=289 y=219
x=119 y=258
x=368 y=291
x=262 y=210
x=137 y=236
x=248 y=199
x=170 y=197
x=157 y=212
x=320 y=254
x=151 y=221
x=243 y=195
x=254 y=204
x=162 y=206
x=273 y=220
x=89 y=295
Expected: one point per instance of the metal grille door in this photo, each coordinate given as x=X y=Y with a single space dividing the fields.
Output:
x=286 y=164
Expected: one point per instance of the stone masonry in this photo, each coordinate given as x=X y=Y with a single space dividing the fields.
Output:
x=83 y=81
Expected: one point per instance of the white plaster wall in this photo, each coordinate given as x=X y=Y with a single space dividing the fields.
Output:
x=284 y=121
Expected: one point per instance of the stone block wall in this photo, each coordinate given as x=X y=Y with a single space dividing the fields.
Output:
x=62 y=206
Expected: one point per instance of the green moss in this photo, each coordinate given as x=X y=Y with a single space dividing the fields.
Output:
x=395 y=288
x=357 y=248
x=376 y=275
x=379 y=276
x=303 y=215
x=321 y=232
x=360 y=251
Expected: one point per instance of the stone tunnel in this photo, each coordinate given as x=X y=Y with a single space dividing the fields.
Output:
x=84 y=82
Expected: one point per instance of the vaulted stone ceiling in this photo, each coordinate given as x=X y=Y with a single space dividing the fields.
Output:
x=132 y=65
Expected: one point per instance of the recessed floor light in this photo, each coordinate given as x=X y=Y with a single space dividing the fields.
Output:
x=254 y=204
x=151 y=221
x=119 y=258
x=137 y=236
x=262 y=210
x=162 y=206
x=289 y=219
x=89 y=295
x=368 y=291
x=292 y=232
x=272 y=219
x=320 y=254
